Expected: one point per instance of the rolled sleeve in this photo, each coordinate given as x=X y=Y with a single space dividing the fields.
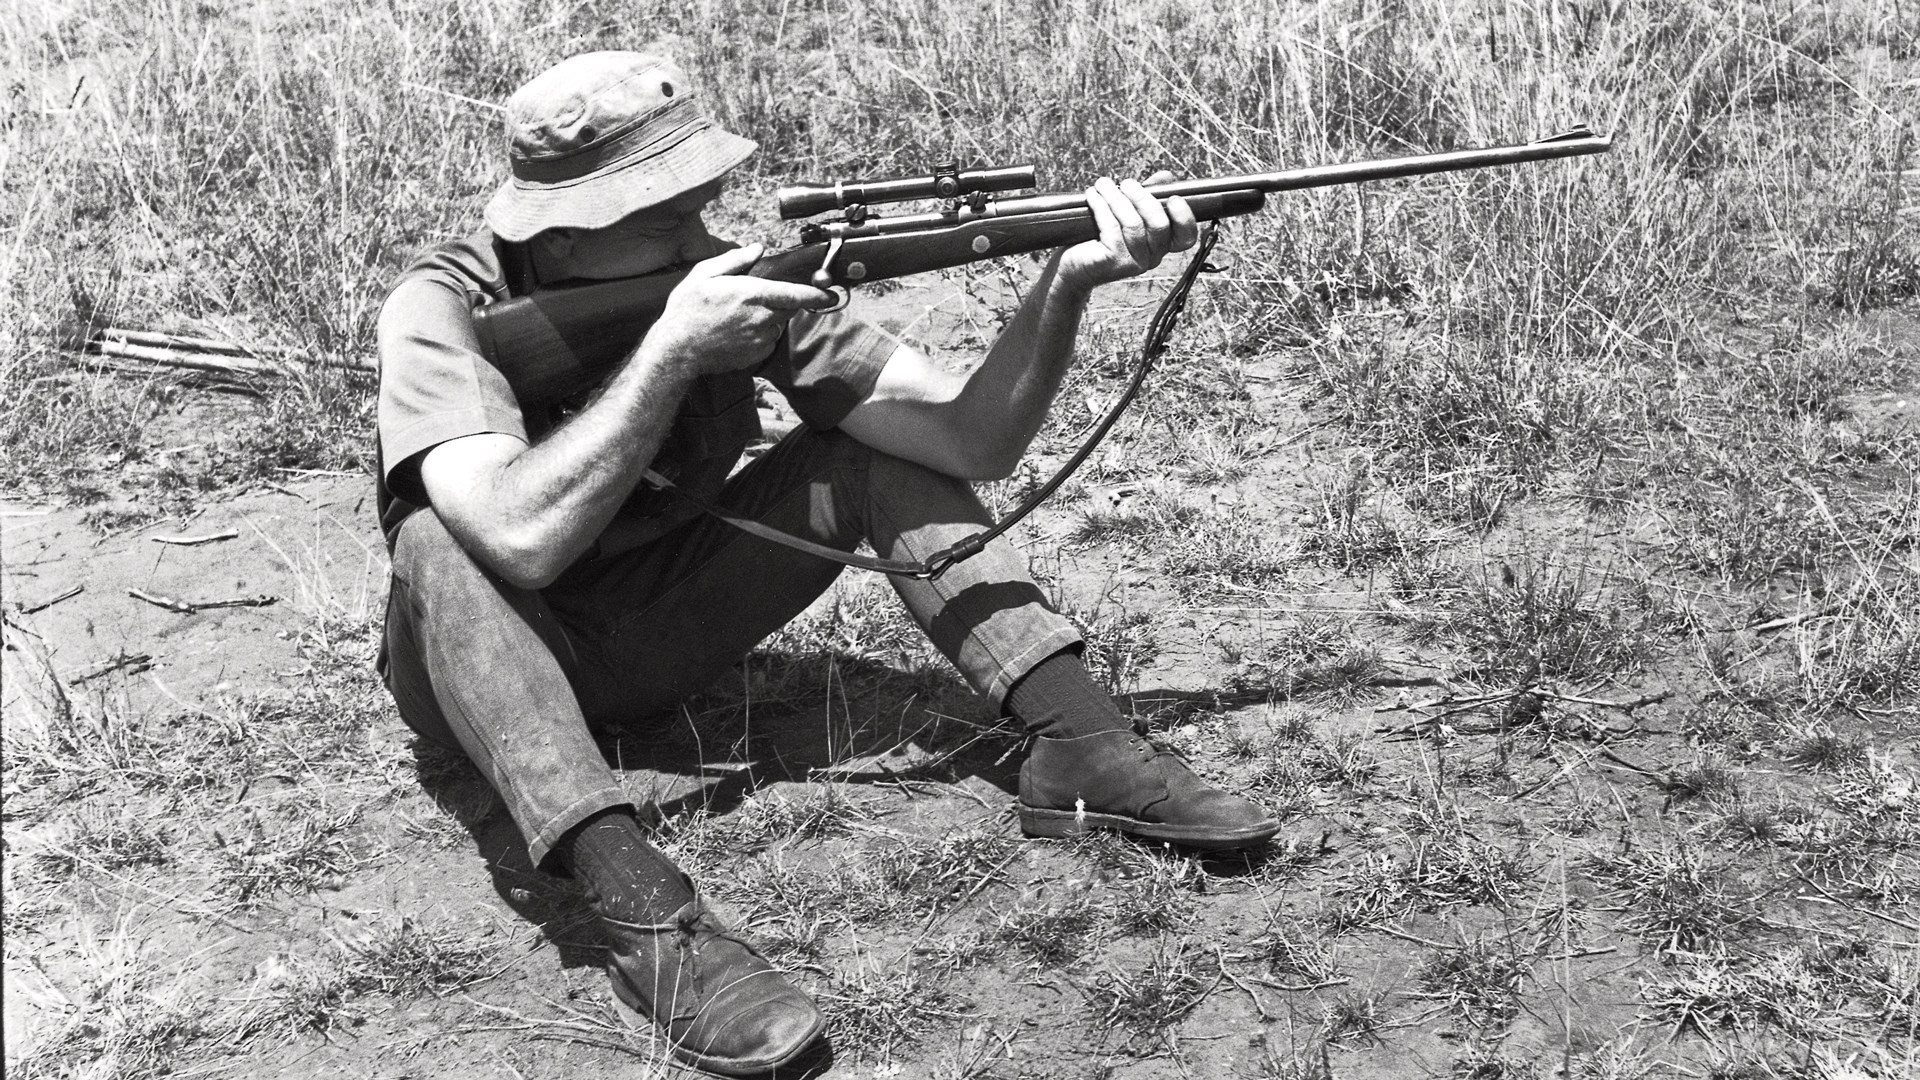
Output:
x=434 y=383
x=828 y=363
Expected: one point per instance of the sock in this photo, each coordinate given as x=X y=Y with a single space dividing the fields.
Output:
x=626 y=878
x=1059 y=699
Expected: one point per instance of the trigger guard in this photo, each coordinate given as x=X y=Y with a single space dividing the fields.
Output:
x=842 y=296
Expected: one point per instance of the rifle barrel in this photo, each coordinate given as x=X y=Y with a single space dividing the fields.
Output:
x=1575 y=143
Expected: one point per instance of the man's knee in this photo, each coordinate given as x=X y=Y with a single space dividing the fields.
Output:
x=426 y=555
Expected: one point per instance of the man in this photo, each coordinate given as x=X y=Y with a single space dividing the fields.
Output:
x=541 y=590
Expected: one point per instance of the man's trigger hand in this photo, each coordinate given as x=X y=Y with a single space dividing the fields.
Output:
x=721 y=318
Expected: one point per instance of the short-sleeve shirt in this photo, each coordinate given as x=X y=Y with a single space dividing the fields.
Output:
x=436 y=385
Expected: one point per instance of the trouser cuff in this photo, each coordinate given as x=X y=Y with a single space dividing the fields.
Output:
x=1014 y=669
x=541 y=838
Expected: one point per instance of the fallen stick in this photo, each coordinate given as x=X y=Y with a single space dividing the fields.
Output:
x=138 y=662
x=188 y=607
x=1794 y=620
x=1635 y=766
x=45 y=604
x=1624 y=706
x=1857 y=909
x=223 y=363
x=1575 y=954
x=190 y=541
x=1301 y=988
x=226 y=362
x=189 y=344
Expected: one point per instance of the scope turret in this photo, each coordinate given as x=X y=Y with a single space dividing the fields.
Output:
x=950 y=182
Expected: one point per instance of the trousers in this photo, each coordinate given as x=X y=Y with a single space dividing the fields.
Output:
x=518 y=679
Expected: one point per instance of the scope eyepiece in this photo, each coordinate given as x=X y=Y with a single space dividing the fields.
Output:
x=950 y=182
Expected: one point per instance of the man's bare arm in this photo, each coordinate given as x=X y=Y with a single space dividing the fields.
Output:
x=978 y=426
x=527 y=512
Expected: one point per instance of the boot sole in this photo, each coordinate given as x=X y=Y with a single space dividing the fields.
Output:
x=637 y=1017
x=1055 y=824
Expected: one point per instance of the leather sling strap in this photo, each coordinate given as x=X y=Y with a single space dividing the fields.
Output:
x=1159 y=333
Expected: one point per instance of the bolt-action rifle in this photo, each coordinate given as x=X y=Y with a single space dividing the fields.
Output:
x=556 y=342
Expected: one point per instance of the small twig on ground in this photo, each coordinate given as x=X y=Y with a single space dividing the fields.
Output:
x=1258 y=1005
x=1429 y=723
x=1792 y=620
x=1469 y=701
x=136 y=662
x=1625 y=764
x=1404 y=936
x=190 y=541
x=986 y=879
x=188 y=607
x=1301 y=988
x=45 y=604
x=283 y=490
x=1901 y=923
x=1623 y=706
x=1575 y=954
x=1551 y=779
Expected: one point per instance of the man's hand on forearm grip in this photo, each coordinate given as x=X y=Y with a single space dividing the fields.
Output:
x=1136 y=232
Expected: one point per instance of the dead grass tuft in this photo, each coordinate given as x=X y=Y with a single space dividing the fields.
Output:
x=1145 y=1001
x=1673 y=898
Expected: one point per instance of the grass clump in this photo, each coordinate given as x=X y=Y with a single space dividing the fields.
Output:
x=923 y=876
x=1228 y=555
x=1153 y=888
x=1051 y=933
x=1539 y=624
x=1355 y=1016
x=1145 y=1001
x=1436 y=872
x=1673 y=899
x=1311 y=655
x=1349 y=532
x=1479 y=980
x=874 y=1012
x=281 y=853
x=1297 y=960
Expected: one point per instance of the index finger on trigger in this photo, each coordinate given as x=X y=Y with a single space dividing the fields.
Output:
x=791 y=296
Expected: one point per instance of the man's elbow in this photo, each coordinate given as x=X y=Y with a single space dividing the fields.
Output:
x=982 y=463
x=524 y=560
x=529 y=574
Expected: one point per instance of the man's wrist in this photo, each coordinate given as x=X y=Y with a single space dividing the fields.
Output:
x=1071 y=287
x=661 y=362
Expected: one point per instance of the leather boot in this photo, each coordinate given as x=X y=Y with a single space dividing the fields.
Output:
x=1118 y=780
x=718 y=1003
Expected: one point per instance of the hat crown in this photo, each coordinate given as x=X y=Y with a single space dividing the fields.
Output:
x=587 y=100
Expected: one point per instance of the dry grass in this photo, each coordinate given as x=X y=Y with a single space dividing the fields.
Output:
x=1437 y=471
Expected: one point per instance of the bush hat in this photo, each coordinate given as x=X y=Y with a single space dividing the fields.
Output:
x=601 y=135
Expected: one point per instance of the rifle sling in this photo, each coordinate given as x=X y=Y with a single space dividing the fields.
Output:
x=1159 y=333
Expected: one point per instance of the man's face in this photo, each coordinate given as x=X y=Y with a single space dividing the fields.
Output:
x=642 y=242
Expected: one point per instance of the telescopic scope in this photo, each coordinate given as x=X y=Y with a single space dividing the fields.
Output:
x=949 y=182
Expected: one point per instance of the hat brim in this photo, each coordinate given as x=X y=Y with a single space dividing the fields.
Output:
x=521 y=208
